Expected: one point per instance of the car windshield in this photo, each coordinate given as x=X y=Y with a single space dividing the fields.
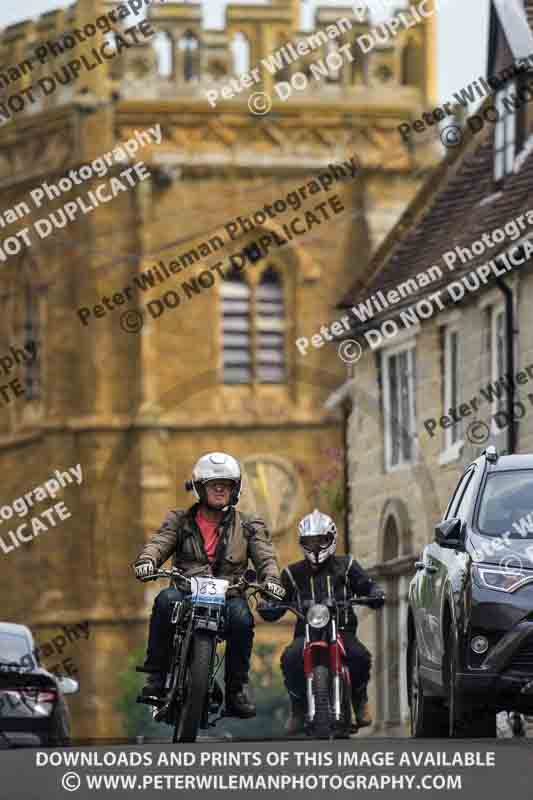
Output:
x=13 y=648
x=507 y=505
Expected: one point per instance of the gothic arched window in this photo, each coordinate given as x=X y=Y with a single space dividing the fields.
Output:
x=393 y=576
x=269 y=329
x=29 y=344
x=236 y=342
x=253 y=329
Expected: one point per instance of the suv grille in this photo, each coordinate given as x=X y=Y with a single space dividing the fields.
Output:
x=522 y=661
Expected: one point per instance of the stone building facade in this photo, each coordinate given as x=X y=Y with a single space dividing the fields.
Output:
x=445 y=345
x=216 y=369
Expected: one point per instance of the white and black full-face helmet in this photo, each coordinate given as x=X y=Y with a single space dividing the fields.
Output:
x=317 y=535
x=213 y=466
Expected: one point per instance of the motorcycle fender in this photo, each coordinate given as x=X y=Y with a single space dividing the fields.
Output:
x=314 y=653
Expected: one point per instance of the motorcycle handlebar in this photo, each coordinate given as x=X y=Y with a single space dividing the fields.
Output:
x=174 y=573
x=359 y=601
x=365 y=601
x=256 y=587
x=165 y=573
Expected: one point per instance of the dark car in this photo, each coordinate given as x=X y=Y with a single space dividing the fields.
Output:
x=470 y=605
x=33 y=711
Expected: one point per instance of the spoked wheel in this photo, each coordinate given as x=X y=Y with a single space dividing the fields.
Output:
x=322 y=720
x=196 y=686
x=427 y=716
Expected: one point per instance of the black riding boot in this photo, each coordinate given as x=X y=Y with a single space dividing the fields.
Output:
x=154 y=686
x=238 y=701
x=360 y=707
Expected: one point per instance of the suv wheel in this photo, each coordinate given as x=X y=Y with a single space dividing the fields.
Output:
x=427 y=716
x=469 y=723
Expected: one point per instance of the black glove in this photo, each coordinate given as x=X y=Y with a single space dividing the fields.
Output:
x=274 y=589
x=377 y=600
x=144 y=569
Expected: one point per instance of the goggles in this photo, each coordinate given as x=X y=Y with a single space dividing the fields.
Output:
x=316 y=543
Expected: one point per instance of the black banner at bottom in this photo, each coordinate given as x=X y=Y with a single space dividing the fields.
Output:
x=392 y=768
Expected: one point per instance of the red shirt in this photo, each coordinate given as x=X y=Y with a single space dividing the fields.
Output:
x=208 y=529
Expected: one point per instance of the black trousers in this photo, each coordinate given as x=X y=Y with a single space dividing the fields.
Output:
x=358 y=658
x=239 y=632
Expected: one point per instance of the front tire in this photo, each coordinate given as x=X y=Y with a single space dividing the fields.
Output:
x=321 y=691
x=345 y=727
x=427 y=715
x=196 y=686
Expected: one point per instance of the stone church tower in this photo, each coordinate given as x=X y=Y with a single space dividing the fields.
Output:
x=215 y=366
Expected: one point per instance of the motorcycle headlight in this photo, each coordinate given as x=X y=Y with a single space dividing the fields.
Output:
x=318 y=616
x=502 y=580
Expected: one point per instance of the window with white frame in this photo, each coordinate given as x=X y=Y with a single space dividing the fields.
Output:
x=509 y=132
x=451 y=383
x=498 y=358
x=399 y=381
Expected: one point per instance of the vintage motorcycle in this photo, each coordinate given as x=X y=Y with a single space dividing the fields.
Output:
x=193 y=695
x=329 y=691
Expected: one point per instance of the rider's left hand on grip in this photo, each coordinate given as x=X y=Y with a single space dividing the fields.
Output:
x=183 y=584
x=377 y=601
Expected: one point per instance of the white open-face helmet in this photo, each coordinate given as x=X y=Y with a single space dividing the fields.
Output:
x=213 y=466
x=317 y=534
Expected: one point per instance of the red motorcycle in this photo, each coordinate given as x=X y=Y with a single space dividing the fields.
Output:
x=329 y=690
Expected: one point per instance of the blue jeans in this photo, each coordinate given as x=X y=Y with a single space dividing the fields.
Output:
x=239 y=633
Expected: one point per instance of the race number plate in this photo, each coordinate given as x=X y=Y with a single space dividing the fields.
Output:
x=210 y=590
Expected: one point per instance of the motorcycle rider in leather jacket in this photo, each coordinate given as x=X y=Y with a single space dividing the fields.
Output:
x=311 y=581
x=210 y=538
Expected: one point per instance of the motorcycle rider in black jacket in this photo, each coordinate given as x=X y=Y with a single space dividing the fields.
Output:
x=319 y=575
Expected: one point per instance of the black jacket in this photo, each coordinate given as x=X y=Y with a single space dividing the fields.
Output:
x=304 y=586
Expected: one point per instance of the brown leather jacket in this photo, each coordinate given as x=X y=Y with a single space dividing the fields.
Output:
x=242 y=537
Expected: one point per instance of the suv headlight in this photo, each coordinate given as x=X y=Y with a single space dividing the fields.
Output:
x=502 y=580
x=318 y=616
